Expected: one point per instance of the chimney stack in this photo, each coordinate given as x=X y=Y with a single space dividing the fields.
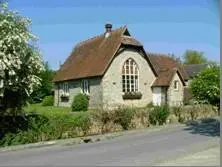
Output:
x=108 y=29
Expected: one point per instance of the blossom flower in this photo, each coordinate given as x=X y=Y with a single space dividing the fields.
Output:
x=19 y=60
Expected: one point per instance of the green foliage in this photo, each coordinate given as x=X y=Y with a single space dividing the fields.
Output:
x=103 y=117
x=178 y=112
x=7 y=139
x=150 y=105
x=20 y=60
x=80 y=103
x=194 y=57
x=47 y=127
x=141 y=117
x=52 y=123
x=82 y=120
x=193 y=112
x=206 y=86
x=123 y=117
x=48 y=101
x=46 y=85
x=159 y=115
x=46 y=110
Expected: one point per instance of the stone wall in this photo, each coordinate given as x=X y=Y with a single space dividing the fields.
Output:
x=75 y=88
x=175 y=97
x=112 y=81
x=96 y=97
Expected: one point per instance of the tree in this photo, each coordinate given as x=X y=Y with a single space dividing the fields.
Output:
x=46 y=85
x=20 y=61
x=194 y=57
x=205 y=86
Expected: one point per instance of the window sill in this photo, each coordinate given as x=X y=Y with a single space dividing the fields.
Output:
x=132 y=95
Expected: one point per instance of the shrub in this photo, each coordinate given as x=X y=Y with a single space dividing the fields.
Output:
x=150 y=105
x=83 y=122
x=103 y=117
x=124 y=116
x=80 y=103
x=48 y=127
x=48 y=101
x=194 y=111
x=178 y=111
x=159 y=115
x=140 y=118
x=205 y=86
x=7 y=139
x=153 y=118
x=59 y=124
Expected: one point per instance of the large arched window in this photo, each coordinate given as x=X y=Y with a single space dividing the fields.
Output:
x=130 y=76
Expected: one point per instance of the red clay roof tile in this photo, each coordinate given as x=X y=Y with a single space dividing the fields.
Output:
x=166 y=67
x=91 y=57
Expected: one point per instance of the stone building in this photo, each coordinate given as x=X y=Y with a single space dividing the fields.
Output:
x=115 y=70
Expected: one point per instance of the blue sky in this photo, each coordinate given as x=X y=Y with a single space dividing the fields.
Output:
x=163 y=26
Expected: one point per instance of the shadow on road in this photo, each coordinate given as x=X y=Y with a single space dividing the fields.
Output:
x=207 y=127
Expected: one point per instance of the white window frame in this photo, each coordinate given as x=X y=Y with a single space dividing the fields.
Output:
x=130 y=76
x=85 y=87
x=176 y=83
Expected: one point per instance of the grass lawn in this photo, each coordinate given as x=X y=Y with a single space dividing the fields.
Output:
x=47 y=109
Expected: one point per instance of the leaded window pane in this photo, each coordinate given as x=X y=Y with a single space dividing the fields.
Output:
x=130 y=76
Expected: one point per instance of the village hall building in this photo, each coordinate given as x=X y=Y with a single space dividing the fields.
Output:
x=113 y=69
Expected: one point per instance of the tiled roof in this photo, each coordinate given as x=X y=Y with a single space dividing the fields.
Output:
x=166 y=67
x=92 y=57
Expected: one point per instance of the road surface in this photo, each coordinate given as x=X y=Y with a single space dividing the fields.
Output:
x=147 y=148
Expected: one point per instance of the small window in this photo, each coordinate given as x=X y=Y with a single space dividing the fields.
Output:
x=65 y=87
x=85 y=87
x=176 y=85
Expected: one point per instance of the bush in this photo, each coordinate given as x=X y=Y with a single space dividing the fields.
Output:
x=103 y=117
x=123 y=117
x=159 y=115
x=205 y=86
x=141 y=117
x=179 y=113
x=193 y=112
x=47 y=127
x=153 y=117
x=48 y=101
x=80 y=103
x=83 y=122
x=52 y=123
x=150 y=105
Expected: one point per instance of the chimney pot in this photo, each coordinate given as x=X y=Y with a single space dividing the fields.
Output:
x=108 y=27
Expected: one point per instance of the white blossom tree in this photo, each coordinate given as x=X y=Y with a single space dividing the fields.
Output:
x=20 y=61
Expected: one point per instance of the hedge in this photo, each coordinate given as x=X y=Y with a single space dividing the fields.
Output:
x=53 y=125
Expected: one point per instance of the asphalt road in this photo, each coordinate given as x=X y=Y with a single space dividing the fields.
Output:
x=147 y=148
